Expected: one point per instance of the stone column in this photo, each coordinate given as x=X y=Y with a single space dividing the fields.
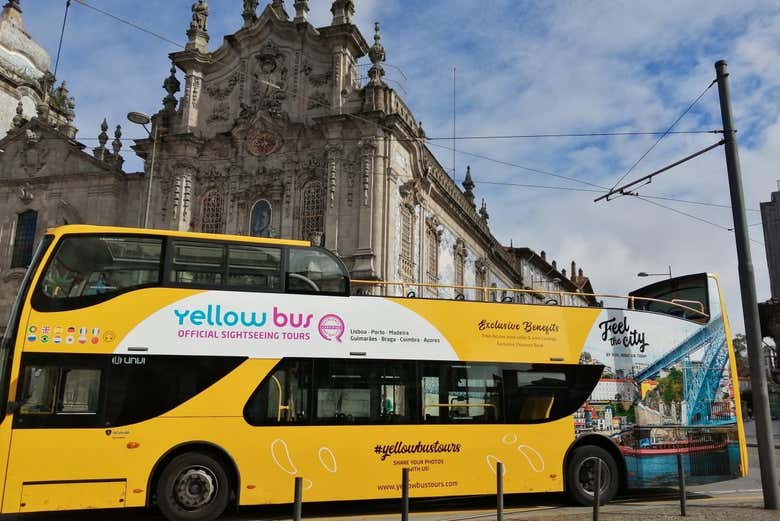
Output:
x=192 y=91
x=333 y=170
x=369 y=179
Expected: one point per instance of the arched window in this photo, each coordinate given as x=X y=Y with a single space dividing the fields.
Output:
x=459 y=258
x=213 y=212
x=312 y=215
x=432 y=257
x=26 y=223
x=406 y=257
x=260 y=219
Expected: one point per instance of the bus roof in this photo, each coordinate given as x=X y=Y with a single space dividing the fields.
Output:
x=91 y=229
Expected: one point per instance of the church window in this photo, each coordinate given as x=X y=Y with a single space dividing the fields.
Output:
x=260 y=219
x=213 y=215
x=432 y=239
x=26 y=223
x=407 y=242
x=459 y=256
x=313 y=210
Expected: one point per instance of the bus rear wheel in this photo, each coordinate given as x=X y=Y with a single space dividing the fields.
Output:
x=193 y=487
x=581 y=475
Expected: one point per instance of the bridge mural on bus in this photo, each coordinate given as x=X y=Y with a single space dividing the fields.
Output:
x=664 y=397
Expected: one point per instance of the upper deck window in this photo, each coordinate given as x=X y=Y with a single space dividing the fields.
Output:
x=315 y=271
x=685 y=297
x=88 y=269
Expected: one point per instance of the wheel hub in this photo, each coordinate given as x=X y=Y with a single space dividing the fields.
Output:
x=195 y=488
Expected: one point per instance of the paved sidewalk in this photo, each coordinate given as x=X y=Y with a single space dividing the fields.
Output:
x=698 y=512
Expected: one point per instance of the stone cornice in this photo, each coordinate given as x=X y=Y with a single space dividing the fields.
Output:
x=348 y=33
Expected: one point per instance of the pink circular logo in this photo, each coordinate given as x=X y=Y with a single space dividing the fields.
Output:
x=331 y=326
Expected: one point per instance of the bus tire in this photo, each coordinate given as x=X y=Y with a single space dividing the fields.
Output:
x=193 y=487
x=581 y=472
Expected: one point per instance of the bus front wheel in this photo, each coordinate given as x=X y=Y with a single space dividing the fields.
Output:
x=193 y=487
x=581 y=475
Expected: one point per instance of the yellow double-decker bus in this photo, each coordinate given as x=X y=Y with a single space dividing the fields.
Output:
x=194 y=371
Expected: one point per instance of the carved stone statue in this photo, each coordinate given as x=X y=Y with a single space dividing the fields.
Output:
x=250 y=11
x=250 y=5
x=200 y=15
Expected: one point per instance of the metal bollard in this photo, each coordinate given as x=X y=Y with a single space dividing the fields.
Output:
x=499 y=491
x=298 y=499
x=681 y=483
x=597 y=491
x=405 y=494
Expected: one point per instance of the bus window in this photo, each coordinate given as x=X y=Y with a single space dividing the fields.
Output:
x=88 y=269
x=461 y=393
x=537 y=393
x=58 y=390
x=283 y=397
x=685 y=297
x=363 y=391
x=316 y=271
x=197 y=263
x=252 y=267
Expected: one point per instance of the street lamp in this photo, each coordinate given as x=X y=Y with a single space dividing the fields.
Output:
x=645 y=274
x=139 y=118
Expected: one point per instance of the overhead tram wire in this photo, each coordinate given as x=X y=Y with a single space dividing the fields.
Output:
x=521 y=167
x=573 y=134
x=62 y=35
x=671 y=127
x=691 y=216
x=699 y=203
x=646 y=180
x=127 y=22
x=507 y=136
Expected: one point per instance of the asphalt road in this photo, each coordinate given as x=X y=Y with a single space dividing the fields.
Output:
x=746 y=489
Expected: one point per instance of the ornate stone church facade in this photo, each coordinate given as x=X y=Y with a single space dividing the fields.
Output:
x=272 y=134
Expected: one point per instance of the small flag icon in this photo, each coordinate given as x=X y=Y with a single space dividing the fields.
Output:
x=32 y=338
x=45 y=330
x=70 y=339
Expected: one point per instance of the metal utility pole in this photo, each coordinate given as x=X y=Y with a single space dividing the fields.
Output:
x=747 y=285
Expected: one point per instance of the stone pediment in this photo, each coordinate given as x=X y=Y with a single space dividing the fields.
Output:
x=37 y=150
x=273 y=67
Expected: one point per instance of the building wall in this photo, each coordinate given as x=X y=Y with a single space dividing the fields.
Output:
x=770 y=217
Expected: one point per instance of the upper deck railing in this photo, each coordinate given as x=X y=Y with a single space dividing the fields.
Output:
x=518 y=295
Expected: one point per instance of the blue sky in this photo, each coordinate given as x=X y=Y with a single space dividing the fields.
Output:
x=522 y=68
